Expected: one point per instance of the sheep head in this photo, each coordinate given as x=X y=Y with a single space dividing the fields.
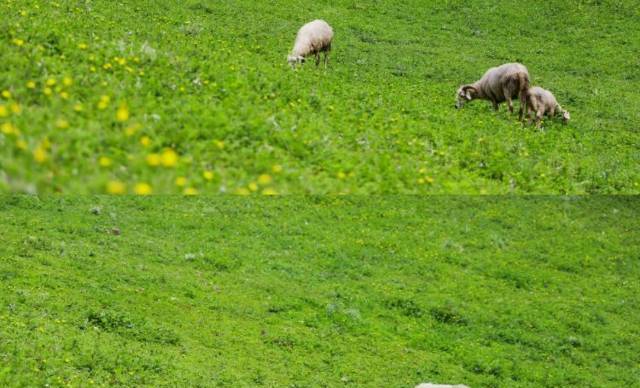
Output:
x=293 y=60
x=464 y=94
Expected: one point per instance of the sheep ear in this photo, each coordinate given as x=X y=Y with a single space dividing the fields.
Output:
x=467 y=94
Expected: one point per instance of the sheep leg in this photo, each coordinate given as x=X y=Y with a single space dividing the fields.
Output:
x=539 y=115
x=507 y=96
x=529 y=117
x=534 y=106
x=327 y=51
x=317 y=58
x=496 y=106
x=523 y=106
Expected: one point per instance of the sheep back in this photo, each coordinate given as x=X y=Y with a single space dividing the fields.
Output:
x=313 y=37
x=513 y=76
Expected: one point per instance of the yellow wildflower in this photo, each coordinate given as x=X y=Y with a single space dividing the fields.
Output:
x=264 y=179
x=242 y=191
x=6 y=94
x=31 y=85
x=21 y=144
x=153 y=160
x=169 y=158
x=62 y=124
x=51 y=82
x=47 y=91
x=82 y=46
x=78 y=107
x=18 y=42
x=190 y=191
x=67 y=81
x=219 y=144
x=15 y=108
x=105 y=161
x=4 y=112
x=40 y=154
x=122 y=114
x=253 y=186
x=428 y=179
x=116 y=187
x=9 y=129
x=64 y=95
x=181 y=181
x=269 y=191
x=46 y=144
x=145 y=141
x=132 y=129
x=104 y=102
x=142 y=189
x=208 y=175
x=107 y=66
x=277 y=169
x=341 y=175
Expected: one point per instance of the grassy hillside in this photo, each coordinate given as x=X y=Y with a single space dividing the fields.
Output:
x=319 y=292
x=194 y=96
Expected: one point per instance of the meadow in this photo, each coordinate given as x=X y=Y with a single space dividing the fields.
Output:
x=319 y=291
x=195 y=96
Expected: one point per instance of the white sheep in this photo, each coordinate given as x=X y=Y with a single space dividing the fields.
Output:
x=498 y=84
x=313 y=38
x=541 y=102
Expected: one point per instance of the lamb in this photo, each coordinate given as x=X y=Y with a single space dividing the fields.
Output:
x=543 y=102
x=497 y=85
x=312 y=39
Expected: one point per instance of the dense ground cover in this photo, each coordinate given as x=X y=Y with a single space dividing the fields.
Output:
x=319 y=292
x=195 y=96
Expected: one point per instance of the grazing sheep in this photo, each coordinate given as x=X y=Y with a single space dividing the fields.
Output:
x=542 y=102
x=312 y=39
x=497 y=85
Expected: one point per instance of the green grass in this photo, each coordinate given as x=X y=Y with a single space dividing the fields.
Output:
x=209 y=80
x=381 y=292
